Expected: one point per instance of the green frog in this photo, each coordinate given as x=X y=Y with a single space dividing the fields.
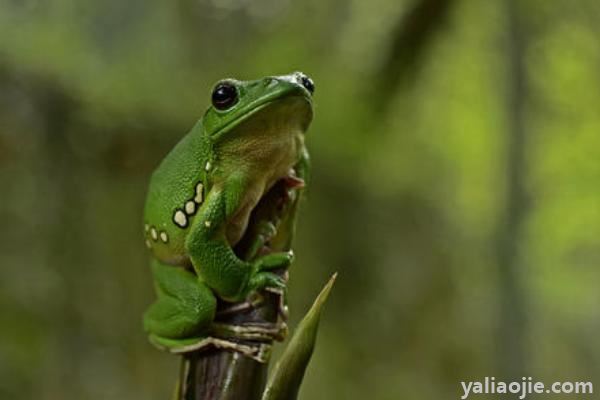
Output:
x=221 y=207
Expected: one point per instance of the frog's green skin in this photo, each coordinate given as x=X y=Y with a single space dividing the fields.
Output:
x=202 y=195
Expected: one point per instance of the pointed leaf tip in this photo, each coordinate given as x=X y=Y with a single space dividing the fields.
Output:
x=322 y=297
x=287 y=376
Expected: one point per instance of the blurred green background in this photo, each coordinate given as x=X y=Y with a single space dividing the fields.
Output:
x=456 y=186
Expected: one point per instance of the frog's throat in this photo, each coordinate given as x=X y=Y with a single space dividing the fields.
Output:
x=271 y=209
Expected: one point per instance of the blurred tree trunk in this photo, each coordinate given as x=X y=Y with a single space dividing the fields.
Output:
x=512 y=315
x=413 y=34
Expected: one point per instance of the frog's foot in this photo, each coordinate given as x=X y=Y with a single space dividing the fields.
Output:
x=274 y=283
x=260 y=352
x=251 y=331
x=251 y=303
x=256 y=300
x=262 y=271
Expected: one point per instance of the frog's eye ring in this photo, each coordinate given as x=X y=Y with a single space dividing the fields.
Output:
x=224 y=96
x=307 y=83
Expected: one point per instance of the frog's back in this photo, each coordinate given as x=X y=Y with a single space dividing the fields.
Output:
x=176 y=191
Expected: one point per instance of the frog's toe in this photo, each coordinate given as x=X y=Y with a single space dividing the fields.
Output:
x=259 y=352
x=274 y=261
x=263 y=280
x=174 y=345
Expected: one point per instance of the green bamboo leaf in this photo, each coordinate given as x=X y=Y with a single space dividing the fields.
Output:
x=287 y=376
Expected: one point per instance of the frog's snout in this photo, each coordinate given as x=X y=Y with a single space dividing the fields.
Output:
x=296 y=78
x=305 y=81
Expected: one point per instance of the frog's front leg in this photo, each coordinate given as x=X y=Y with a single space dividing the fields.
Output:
x=215 y=261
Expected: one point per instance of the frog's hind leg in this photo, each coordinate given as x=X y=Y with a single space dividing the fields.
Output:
x=185 y=306
x=181 y=320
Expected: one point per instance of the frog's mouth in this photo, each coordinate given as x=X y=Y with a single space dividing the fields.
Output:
x=270 y=225
x=258 y=107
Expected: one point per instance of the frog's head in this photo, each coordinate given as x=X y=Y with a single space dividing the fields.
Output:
x=259 y=125
x=234 y=102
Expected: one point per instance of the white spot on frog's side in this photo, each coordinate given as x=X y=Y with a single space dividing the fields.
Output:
x=190 y=207
x=207 y=224
x=199 y=188
x=180 y=219
x=153 y=233
x=146 y=227
x=207 y=166
x=164 y=237
x=148 y=244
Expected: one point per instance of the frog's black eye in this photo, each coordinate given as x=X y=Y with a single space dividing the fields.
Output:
x=308 y=83
x=224 y=96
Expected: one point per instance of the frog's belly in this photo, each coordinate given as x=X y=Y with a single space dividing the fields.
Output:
x=238 y=224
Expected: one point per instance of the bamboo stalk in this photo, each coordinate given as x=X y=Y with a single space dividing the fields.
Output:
x=218 y=374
